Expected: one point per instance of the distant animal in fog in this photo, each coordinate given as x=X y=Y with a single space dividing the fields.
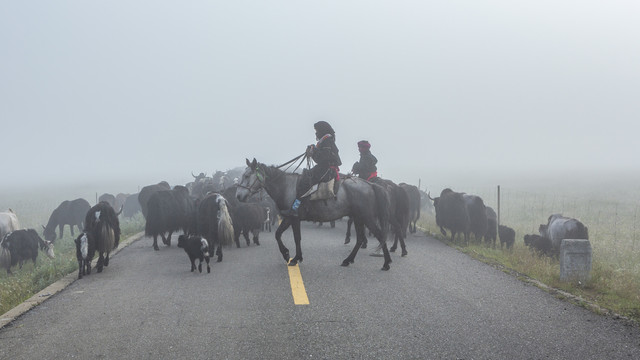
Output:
x=492 y=224
x=85 y=251
x=248 y=218
x=146 y=192
x=560 y=227
x=196 y=247
x=131 y=206
x=451 y=213
x=23 y=245
x=8 y=222
x=477 y=215
x=413 y=194
x=507 y=236
x=109 y=198
x=103 y=225
x=70 y=213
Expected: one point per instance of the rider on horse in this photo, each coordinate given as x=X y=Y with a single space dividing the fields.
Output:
x=325 y=154
x=366 y=167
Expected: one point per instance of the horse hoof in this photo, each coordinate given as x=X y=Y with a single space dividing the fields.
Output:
x=345 y=263
x=385 y=267
x=363 y=246
x=293 y=263
x=392 y=250
x=156 y=248
x=404 y=253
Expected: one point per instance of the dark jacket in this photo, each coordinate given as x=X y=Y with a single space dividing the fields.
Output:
x=366 y=166
x=326 y=153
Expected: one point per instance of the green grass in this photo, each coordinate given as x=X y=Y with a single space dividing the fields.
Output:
x=33 y=210
x=614 y=233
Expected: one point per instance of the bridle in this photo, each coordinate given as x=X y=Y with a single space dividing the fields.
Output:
x=261 y=174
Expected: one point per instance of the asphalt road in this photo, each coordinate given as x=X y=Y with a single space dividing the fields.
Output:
x=436 y=303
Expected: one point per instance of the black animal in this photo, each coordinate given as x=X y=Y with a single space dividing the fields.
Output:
x=413 y=195
x=214 y=222
x=507 y=236
x=131 y=206
x=23 y=245
x=247 y=217
x=477 y=216
x=102 y=223
x=108 y=198
x=67 y=213
x=145 y=194
x=398 y=212
x=492 y=224
x=196 y=247
x=559 y=227
x=539 y=244
x=451 y=213
x=169 y=211
x=399 y=209
x=85 y=251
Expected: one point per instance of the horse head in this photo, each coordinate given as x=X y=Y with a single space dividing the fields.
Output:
x=251 y=182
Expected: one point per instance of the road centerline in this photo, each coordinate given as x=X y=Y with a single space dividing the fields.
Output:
x=297 y=286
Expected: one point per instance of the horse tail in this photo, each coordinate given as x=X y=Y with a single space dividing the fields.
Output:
x=225 y=225
x=382 y=208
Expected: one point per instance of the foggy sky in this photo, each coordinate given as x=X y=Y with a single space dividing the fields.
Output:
x=152 y=90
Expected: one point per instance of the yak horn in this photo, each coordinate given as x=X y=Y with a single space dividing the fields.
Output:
x=429 y=196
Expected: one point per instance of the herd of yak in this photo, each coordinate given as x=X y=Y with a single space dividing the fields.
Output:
x=210 y=216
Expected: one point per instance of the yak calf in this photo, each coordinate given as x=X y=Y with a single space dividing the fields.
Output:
x=196 y=247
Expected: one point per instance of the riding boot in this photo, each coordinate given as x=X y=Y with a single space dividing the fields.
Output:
x=294 y=209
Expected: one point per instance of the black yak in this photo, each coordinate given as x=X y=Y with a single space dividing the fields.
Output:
x=23 y=245
x=103 y=225
x=147 y=191
x=214 y=222
x=559 y=227
x=477 y=215
x=413 y=195
x=70 y=213
x=451 y=213
x=507 y=236
x=169 y=211
x=196 y=247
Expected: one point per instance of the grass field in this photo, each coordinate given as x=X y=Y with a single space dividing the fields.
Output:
x=614 y=233
x=33 y=209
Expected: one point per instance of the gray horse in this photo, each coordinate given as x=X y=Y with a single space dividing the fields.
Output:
x=366 y=203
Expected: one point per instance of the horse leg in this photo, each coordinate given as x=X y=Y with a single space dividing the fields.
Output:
x=295 y=225
x=347 y=238
x=284 y=225
x=106 y=260
x=61 y=228
x=155 y=242
x=359 y=227
x=206 y=258
x=382 y=239
x=168 y=243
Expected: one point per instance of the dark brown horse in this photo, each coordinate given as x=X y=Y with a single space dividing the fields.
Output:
x=366 y=203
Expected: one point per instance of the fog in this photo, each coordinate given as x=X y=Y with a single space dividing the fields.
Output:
x=447 y=92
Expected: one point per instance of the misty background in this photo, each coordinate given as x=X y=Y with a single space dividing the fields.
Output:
x=448 y=93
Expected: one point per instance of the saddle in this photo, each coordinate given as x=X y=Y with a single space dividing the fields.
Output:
x=323 y=191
